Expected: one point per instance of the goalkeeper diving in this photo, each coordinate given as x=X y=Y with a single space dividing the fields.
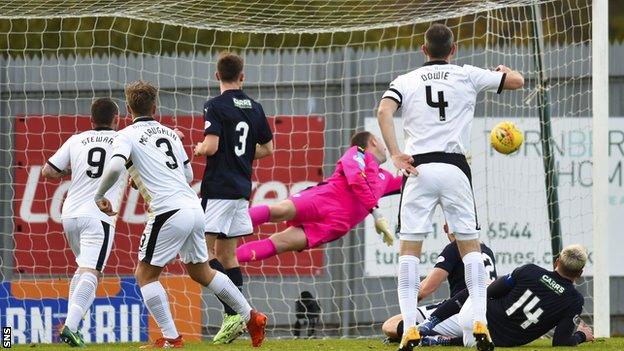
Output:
x=328 y=211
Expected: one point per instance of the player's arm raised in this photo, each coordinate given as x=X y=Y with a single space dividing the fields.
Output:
x=513 y=79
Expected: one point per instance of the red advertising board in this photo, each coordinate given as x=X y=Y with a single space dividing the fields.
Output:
x=40 y=247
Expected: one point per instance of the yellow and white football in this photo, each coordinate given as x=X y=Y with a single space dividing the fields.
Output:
x=506 y=138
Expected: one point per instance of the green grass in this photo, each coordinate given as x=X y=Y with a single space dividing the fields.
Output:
x=332 y=345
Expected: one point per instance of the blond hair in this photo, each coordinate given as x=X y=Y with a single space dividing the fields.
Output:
x=572 y=259
x=141 y=97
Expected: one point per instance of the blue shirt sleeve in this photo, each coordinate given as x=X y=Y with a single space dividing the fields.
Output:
x=265 y=134
x=212 y=123
x=448 y=258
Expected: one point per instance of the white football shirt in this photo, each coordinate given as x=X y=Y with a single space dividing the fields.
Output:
x=155 y=159
x=438 y=102
x=86 y=154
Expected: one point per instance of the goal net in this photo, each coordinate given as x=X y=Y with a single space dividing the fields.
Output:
x=319 y=69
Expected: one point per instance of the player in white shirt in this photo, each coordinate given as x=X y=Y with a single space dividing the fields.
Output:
x=437 y=102
x=159 y=167
x=90 y=233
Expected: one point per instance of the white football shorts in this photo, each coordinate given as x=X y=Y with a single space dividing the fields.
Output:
x=437 y=183
x=91 y=241
x=172 y=232
x=227 y=218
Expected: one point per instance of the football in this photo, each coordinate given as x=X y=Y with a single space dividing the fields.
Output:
x=506 y=138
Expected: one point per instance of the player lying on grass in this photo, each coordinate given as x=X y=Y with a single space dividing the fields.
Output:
x=89 y=232
x=449 y=266
x=159 y=167
x=526 y=304
x=328 y=211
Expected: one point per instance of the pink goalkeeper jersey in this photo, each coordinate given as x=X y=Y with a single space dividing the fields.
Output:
x=358 y=183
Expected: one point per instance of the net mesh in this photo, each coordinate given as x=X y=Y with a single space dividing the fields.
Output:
x=319 y=69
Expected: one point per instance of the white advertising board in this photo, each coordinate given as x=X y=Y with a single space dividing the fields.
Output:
x=511 y=197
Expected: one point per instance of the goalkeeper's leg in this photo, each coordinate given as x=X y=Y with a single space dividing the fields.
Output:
x=283 y=211
x=291 y=239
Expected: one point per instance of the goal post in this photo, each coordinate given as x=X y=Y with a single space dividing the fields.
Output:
x=319 y=69
x=600 y=189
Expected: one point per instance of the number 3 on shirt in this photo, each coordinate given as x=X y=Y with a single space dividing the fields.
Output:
x=242 y=129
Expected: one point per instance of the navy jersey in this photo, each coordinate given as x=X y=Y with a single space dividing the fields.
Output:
x=538 y=300
x=240 y=124
x=450 y=261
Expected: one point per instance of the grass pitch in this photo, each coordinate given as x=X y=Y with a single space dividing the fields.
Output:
x=332 y=345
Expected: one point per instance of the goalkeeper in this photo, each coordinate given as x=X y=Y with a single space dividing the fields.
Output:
x=328 y=211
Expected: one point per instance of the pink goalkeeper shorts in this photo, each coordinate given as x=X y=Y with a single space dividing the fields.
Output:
x=321 y=215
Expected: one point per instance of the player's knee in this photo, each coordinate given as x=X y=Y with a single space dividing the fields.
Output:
x=95 y=272
x=389 y=328
x=282 y=211
x=228 y=261
x=146 y=274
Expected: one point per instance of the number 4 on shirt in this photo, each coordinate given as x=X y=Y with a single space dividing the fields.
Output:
x=441 y=104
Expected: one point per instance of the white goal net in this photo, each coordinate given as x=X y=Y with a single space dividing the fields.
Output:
x=319 y=69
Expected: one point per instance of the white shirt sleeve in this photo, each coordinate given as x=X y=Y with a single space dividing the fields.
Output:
x=181 y=153
x=122 y=147
x=61 y=160
x=396 y=91
x=485 y=80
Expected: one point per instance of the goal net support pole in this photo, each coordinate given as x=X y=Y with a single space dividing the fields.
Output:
x=543 y=104
x=600 y=190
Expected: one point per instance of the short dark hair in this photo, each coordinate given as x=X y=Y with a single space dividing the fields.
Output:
x=103 y=111
x=141 y=97
x=361 y=139
x=439 y=41
x=229 y=66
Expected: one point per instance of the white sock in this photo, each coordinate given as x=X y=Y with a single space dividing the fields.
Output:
x=223 y=287
x=155 y=299
x=408 y=286
x=475 y=282
x=72 y=288
x=81 y=299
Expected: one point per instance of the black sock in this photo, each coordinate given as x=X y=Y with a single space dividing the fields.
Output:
x=400 y=330
x=236 y=276
x=217 y=266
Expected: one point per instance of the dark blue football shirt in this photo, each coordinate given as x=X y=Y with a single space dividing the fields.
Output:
x=240 y=123
x=451 y=261
x=538 y=300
